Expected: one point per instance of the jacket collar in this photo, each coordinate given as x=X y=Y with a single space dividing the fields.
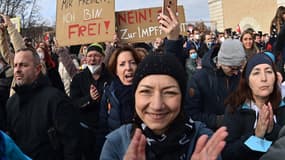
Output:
x=29 y=88
x=247 y=105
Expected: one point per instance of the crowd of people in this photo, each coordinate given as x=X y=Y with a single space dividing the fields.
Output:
x=209 y=95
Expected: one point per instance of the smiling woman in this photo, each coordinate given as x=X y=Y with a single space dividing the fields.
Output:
x=159 y=123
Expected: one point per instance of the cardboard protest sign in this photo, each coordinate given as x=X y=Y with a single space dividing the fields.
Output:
x=84 y=21
x=142 y=25
x=17 y=23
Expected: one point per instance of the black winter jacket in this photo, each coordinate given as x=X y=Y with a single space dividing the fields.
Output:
x=35 y=108
x=240 y=126
x=80 y=94
x=5 y=84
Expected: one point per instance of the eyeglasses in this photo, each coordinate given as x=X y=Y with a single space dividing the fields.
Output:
x=234 y=68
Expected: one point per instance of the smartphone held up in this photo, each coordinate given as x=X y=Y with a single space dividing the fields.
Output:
x=172 y=4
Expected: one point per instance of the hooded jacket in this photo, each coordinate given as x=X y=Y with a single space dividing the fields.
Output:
x=207 y=91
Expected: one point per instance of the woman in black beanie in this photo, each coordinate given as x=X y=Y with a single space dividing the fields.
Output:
x=160 y=130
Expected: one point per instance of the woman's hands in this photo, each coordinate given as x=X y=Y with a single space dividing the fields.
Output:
x=205 y=149
x=210 y=149
x=265 y=121
x=136 y=149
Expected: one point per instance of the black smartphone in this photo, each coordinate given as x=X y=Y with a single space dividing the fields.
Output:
x=172 y=4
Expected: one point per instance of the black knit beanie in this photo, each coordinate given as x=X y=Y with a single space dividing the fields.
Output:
x=161 y=64
x=257 y=59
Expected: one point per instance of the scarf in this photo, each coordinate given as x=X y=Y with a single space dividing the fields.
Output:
x=124 y=95
x=173 y=144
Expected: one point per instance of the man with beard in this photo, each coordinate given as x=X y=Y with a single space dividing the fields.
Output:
x=86 y=89
x=40 y=118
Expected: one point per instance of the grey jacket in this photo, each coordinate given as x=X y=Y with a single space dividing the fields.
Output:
x=117 y=142
x=276 y=151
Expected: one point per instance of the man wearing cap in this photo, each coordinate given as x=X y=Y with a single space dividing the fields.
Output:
x=210 y=86
x=86 y=89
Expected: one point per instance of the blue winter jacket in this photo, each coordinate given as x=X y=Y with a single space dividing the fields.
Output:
x=9 y=150
x=116 y=105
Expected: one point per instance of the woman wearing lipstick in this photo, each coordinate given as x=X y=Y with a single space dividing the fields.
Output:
x=255 y=111
x=160 y=130
x=116 y=104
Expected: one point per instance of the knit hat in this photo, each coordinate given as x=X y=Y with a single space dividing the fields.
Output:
x=271 y=55
x=96 y=47
x=154 y=64
x=257 y=59
x=231 y=53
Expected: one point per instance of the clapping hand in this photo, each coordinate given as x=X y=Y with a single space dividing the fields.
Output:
x=265 y=121
x=271 y=120
x=205 y=149
x=210 y=149
x=136 y=149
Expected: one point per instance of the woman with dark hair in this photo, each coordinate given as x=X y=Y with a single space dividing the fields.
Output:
x=160 y=131
x=277 y=22
x=255 y=111
x=116 y=103
x=247 y=40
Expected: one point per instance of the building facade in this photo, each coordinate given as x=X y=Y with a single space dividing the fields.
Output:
x=256 y=14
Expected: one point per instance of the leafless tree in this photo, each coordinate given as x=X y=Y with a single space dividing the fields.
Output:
x=28 y=10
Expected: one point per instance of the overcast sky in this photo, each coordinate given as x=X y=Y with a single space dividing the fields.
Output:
x=195 y=10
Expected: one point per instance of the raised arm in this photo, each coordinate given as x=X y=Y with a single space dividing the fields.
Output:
x=4 y=46
x=173 y=42
x=15 y=36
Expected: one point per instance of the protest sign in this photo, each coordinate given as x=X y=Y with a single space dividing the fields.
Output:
x=142 y=25
x=84 y=21
x=17 y=23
